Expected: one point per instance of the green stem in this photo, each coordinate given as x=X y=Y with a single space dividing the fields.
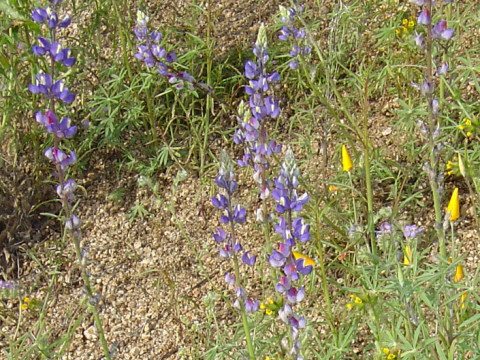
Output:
x=91 y=297
x=326 y=294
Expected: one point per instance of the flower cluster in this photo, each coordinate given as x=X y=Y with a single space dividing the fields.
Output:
x=438 y=32
x=7 y=287
x=52 y=86
x=407 y=26
x=252 y=131
x=288 y=30
x=154 y=55
x=292 y=263
x=231 y=215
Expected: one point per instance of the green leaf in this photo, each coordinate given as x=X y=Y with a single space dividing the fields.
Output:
x=10 y=11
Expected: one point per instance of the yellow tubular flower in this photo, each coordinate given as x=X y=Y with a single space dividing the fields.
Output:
x=459 y=274
x=386 y=351
x=407 y=258
x=454 y=206
x=347 y=163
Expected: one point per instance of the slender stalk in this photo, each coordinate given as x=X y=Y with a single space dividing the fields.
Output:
x=209 y=104
x=368 y=181
x=326 y=294
x=432 y=124
x=238 y=283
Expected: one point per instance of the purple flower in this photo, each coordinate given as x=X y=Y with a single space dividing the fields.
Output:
x=442 y=70
x=424 y=17
x=419 y=40
x=43 y=83
x=61 y=55
x=248 y=260
x=73 y=223
x=39 y=15
x=284 y=33
x=298 y=322
x=61 y=130
x=251 y=305
x=230 y=279
x=295 y=295
x=278 y=257
x=301 y=230
x=8 y=285
x=239 y=214
x=285 y=313
x=291 y=270
x=59 y=157
x=220 y=201
x=440 y=31
x=301 y=268
x=60 y=91
x=385 y=228
x=283 y=285
x=411 y=231
x=226 y=252
x=282 y=229
x=220 y=236
x=65 y=192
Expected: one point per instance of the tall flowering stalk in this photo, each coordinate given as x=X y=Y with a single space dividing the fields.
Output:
x=252 y=123
x=52 y=86
x=292 y=229
x=233 y=214
x=299 y=48
x=431 y=130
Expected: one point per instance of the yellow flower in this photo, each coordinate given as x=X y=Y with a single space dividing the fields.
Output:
x=449 y=167
x=411 y=23
x=357 y=300
x=459 y=274
x=404 y=22
x=454 y=206
x=467 y=123
x=307 y=261
x=404 y=29
x=332 y=188
x=347 y=164
x=462 y=300
x=397 y=31
x=407 y=258
x=26 y=303
x=262 y=306
x=391 y=356
x=349 y=305
x=268 y=311
x=386 y=351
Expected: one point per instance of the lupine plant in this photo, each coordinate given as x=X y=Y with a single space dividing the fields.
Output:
x=51 y=85
x=233 y=214
x=292 y=229
x=429 y=42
